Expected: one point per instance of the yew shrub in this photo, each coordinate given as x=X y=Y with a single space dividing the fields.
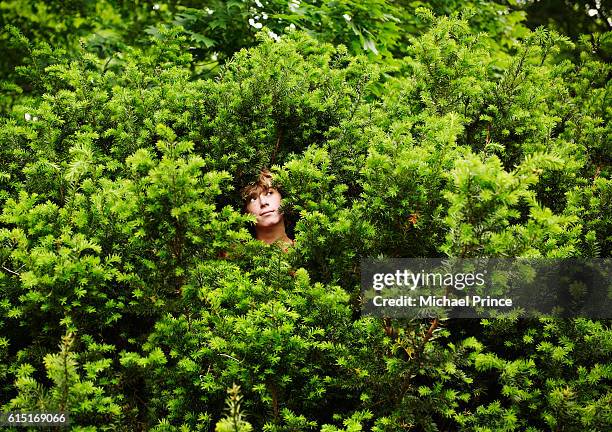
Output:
x=122 y=237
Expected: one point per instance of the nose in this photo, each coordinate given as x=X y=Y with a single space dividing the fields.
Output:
x=263 y=199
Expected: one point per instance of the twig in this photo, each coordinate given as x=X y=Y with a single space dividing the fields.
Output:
x=12 y=271
x=429 y=334
x=597 y=172
x=229 y=356
x=278 y=141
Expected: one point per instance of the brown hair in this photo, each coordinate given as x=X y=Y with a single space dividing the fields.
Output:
x=263 y=183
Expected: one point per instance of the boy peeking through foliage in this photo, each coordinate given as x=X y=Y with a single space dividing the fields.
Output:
x=263 y=201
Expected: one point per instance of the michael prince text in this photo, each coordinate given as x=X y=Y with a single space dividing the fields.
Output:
x=443 y=301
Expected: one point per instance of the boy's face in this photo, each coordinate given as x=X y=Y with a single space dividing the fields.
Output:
x=265 y=205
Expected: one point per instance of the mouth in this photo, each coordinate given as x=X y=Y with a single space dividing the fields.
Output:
x=267 y=212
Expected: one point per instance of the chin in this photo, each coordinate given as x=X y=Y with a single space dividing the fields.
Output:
x=268 y=222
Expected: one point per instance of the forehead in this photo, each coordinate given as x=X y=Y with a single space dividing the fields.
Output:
x=255 y=191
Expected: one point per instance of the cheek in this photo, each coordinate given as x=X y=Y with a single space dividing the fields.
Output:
x=279 y=218
x=251 y=208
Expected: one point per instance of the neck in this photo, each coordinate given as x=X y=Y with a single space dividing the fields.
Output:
x=272 y=234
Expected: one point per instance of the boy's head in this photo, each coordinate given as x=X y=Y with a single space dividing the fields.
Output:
x=263 y=201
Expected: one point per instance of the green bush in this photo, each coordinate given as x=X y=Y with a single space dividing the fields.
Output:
x=121 y=233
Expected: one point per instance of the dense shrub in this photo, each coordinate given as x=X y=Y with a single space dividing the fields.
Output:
x=122 y=239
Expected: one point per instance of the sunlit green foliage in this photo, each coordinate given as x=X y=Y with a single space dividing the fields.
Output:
x=122 y=235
